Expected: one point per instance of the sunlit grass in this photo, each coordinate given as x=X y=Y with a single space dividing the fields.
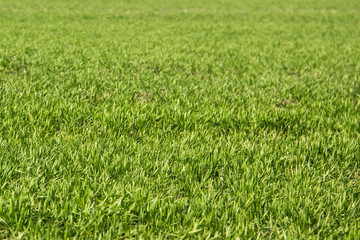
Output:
x=168 y=119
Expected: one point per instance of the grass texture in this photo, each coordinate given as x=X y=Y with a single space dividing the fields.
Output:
x=174 y=119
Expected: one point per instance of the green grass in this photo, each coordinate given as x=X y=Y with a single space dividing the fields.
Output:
x=180 y=119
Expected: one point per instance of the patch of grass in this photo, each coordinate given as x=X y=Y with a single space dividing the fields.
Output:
x=190 y=119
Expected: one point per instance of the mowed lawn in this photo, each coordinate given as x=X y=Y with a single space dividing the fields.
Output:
x=154 y=119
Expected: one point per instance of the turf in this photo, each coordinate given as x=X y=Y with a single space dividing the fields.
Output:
x=179 y=119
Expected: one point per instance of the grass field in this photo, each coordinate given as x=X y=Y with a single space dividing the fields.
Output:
x=179 y=119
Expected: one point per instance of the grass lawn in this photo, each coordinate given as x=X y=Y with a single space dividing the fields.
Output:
x=172 y=119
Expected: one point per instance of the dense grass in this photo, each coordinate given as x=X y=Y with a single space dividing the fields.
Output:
x=170 y=119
